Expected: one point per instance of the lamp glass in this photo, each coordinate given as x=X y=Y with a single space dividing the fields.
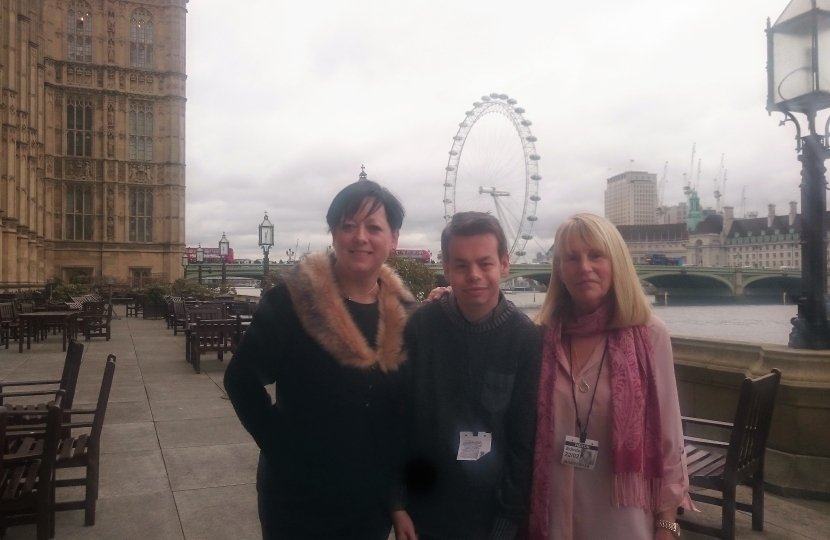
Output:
x=266 y=233
x=792 y=59
x=223 y=246
x=823 y=53
x=200 y=255
x=185 y=260
x=796 y=8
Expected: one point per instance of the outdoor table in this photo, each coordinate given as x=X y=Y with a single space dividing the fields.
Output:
x=32 y=322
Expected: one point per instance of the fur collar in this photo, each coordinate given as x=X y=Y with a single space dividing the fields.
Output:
x=322 y=311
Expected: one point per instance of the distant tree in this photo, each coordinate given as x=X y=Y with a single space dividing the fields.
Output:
x=270 y=280
x=415 y=275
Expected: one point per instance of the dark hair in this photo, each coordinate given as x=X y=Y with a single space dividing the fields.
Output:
x=472 y=224
x=353 y=197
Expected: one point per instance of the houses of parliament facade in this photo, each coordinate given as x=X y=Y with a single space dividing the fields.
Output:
x=92 y=156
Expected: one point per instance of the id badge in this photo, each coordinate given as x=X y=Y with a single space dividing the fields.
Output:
x=473 y=447
x=580 y=455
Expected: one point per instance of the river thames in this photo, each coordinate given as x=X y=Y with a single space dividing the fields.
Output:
x=767 y=323
x=755 y=323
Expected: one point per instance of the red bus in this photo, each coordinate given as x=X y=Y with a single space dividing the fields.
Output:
x=211 y=255
x=418 y=254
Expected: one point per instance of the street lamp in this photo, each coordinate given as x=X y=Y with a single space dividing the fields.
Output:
x=266 y=240
x=185 y=263
x=200 y=260
x=224 y=246
x=798 y=81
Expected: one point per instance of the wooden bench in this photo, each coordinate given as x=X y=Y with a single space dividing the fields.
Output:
x=742 y=462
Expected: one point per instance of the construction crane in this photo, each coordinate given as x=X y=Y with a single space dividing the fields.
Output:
x=661 y=189
x=697 y=180
x=743 y=202
x=718 y=193
x=687 y=177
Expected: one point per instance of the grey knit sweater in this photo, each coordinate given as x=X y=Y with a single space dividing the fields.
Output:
x=464 y=376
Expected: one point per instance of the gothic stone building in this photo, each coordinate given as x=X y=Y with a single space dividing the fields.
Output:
x=92 y=158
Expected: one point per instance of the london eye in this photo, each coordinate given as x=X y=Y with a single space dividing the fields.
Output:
x=493 y=166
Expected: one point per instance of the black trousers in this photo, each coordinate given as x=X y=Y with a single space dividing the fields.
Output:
x=279 y=523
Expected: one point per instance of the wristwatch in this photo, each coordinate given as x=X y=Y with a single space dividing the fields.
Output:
x=670 y=525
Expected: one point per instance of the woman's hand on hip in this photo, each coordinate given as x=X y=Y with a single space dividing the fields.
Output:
x=404 y=528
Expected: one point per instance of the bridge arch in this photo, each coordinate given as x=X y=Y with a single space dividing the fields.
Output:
x=688 y=281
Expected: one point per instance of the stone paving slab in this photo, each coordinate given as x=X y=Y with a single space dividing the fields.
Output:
x=177 y=465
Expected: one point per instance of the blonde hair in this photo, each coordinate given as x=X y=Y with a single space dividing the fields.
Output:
x=629 y=306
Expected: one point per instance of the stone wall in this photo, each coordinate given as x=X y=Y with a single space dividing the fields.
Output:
x=709 y=374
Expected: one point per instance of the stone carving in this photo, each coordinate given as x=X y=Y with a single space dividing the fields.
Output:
x=78 y=170
x=100 y=73
x=110 y=115
x=110 y=145
x=122 y=172
x=99 y=170
x=122 y=81
x=161 y=174
x=110 y=214
x=141 y=174
x=110 y=172
x=111 y=51
x=122 y=101
x=49 y=165
x=58 y=168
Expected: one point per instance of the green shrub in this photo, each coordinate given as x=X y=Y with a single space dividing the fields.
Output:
x=193 y=289
x=415 y=275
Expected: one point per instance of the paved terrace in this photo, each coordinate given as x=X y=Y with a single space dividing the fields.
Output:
x=176 y=463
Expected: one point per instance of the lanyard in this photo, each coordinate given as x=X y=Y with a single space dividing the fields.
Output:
x=583 y=433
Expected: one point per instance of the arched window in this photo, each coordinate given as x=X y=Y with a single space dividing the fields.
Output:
x=79 y=33
x=141 y=39
x=141 y=215
x=141 y=131
x=79 y=127
x=78 y=212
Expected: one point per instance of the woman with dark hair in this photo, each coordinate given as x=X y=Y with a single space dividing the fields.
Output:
x=330 y=336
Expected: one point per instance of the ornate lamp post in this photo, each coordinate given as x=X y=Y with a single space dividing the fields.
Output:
x=200 y=260
x=185 y=263
x=266 y=241
x=798 y=81
x=224 y=248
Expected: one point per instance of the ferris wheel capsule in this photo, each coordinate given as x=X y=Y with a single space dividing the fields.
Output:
x=536 y=177
x=528 y=237
x=485 y=98
x=512 y=101
x=527 y=123
x=532 y=218
x=535 y=198
x=531 y=138
x=476 y=104
x=453 y=153
x=457 y=138
x=535 y=157
x=494 y=95
x=519 y=110
x=502 y=96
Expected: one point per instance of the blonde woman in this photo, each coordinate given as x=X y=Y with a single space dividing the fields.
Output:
x=609 y=459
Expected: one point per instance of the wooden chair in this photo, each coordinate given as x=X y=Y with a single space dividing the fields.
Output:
x=192 y=315
x=98 y=325
x=179 y=318
x=743 y=461
x=67 y=383
x=84 y=450
x=8 y=322
x=135 y=306
x=27 y=472
x=211 y=335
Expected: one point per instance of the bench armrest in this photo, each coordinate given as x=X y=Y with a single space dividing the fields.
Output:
x=706 y=442
x=25 y=383
x=705 y=422
x=4 y=395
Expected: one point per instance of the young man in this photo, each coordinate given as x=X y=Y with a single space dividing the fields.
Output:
x=472 y=378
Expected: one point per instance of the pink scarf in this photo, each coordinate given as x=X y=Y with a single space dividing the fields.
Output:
x=637 y=450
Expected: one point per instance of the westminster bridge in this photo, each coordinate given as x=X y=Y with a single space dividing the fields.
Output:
x=671 y=280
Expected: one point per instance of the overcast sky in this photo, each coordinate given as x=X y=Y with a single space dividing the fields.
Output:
x=285 y=101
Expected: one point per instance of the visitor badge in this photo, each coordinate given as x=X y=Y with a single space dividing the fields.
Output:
x=582 y=455
x=473 y=447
